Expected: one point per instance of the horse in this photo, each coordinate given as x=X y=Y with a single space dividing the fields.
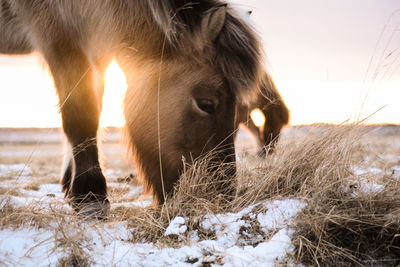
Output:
x=271 y=104
x=188 y=64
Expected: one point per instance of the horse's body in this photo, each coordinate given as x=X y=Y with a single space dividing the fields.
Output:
x=187 y=65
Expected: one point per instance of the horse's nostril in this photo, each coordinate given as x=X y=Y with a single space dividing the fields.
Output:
x=205 y=105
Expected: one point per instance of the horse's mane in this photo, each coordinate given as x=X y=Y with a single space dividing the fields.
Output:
x=237 y=50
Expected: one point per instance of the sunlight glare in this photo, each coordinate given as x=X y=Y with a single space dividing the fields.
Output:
x=114 y=90
x=257 y=117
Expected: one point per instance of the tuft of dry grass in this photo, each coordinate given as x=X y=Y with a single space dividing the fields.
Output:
x=347 y=232
x=345 y=228
x=71 y=238
x=203 y=188
x=302 y=166
x=34 y=214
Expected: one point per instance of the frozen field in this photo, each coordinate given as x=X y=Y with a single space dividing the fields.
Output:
x=38 y=228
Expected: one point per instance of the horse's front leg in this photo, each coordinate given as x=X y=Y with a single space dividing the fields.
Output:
x=79 y=89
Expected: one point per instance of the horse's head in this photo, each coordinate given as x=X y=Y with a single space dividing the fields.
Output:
x=184 y=106
x=204 y=111
x=184 y=112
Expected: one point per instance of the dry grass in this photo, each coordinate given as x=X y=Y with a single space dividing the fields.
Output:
x=302 y=166
x=337 y=229
x=341 y=224
x=32 y=215
x=202 y=189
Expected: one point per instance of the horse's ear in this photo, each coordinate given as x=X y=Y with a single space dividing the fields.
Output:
x=212 y=23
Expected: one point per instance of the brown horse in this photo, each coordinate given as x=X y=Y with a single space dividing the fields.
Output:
x=187 y=65
x=276 y=114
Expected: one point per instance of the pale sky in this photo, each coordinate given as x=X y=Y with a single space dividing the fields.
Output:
x=331 y=60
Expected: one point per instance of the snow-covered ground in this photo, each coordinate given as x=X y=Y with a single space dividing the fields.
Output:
x=109 y=243
x=29 y=177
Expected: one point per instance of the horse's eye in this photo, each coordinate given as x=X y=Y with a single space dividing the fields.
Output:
x=205 y=105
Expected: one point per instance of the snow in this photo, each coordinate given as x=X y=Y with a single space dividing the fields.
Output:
x=361 y=171
x=176 y=227
x=369 y=188
x=360 y=185
x=112 y=173
x=19 y=169
x=231 y=241
x=227 y=231
x=26 y=247
x=50 y=189
x=279 y=213
x=109 y=245
x=264 y=254
x=224 y=249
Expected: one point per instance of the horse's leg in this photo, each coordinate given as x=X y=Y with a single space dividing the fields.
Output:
x=69 y=162
x=80 y=103
x=275 y=111
x=277 y=115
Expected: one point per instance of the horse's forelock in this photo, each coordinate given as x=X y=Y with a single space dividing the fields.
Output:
x=237 y=52
x=239 y=57
x=177 y=18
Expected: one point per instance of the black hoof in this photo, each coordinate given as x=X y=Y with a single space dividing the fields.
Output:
x=99 y=210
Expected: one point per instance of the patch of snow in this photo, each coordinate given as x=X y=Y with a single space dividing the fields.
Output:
x=113 y=173
x=279 y=212
x=227 y=230
x=358 y=171
x=27 y=247
x=367 y=188
x=374 y=170
x=264 y=254
x=42 y=203
x=137 y=203
x=30 y=153
x=15 y=169
x=360 y=185
x=371 y=188
x=50 y=189
x=176 y=226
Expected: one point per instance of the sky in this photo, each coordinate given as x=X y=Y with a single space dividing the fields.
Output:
x=332 y=61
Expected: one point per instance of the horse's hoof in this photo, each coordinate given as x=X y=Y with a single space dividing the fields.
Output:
x=94 y=210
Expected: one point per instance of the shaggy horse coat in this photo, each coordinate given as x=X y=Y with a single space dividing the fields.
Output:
x=187 y=65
